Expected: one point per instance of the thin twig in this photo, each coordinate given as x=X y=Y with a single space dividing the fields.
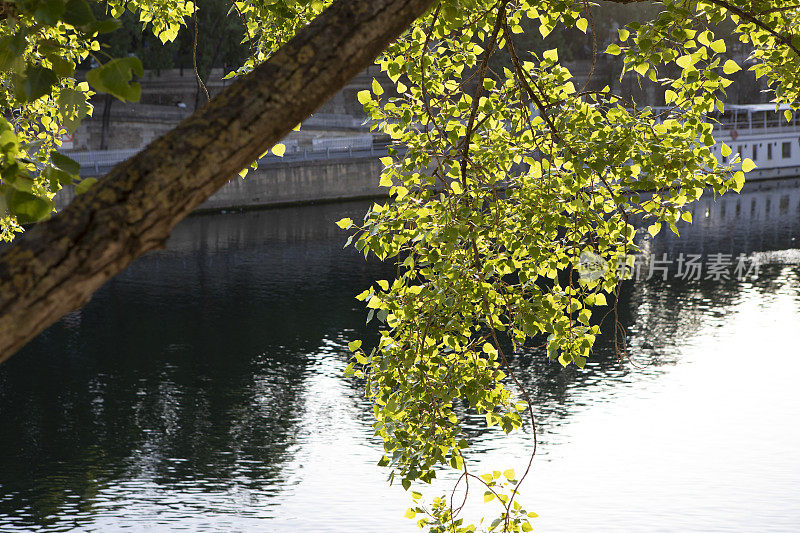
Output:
x=194 y=55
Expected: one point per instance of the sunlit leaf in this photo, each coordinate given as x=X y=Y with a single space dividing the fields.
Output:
x=27 y=207
x=115 y=78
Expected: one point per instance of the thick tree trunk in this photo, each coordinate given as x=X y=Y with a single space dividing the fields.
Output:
x=55 y=267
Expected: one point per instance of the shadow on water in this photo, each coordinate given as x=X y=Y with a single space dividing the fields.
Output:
x=186 y=368
x=189 y=371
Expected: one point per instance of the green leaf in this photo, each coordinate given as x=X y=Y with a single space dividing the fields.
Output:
x=18 y=86
x=38 y=82
x=354 y=345
x=374 y=303
x=654 y=229
x=488 y=496
x=84 y=185
x=623 y=34
x=62 y=67
x=748 y=165
x=718 y=46
x=613 y=49
x=21 y=182
x=56 y=175
x=509 y=474
x=67 y=164
x=364 y=97
x=551 y=55
x=48 y=12
x=279 y=149
x=78 y=13
x=115 y=78
x=685 y=61
x=376 y=87
x=730 y=67
x=72 y=107
x=102 y=26
x=738 y=180
x=16 y=43
x=27 y=207
x=11 y=49
x=725 y=150
x=582 y=24
x=410 y=513
x=345 y=223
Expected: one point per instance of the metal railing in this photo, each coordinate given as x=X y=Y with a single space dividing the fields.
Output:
x=334 y=121
x=95 y=162
x=355 y=142
x=100 y=162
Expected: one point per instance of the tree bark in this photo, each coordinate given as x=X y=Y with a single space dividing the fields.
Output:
x=56 y=266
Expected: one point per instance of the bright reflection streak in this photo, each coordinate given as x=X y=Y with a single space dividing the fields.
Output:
x=711 y=445
x=336 y=485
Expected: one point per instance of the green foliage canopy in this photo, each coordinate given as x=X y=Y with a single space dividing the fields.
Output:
x=503 y=179
x=507 y=181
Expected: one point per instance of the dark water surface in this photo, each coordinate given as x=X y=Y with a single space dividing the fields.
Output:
x=201 y=390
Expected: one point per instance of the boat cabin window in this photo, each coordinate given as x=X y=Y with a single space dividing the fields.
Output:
x=786 y=150
x=755 y=152
x=769 y=150
x=759 y=119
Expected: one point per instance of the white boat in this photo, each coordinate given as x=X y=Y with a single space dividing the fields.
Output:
x=758 y=132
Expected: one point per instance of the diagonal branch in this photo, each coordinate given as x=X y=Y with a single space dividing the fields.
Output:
x=783 y=39
x=56 y=266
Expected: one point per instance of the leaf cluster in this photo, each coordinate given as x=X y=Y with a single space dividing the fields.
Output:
x=503 y=183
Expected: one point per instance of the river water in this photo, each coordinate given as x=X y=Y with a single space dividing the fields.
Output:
x=201 y=390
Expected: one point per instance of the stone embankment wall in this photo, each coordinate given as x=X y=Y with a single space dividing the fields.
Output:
x=291 y=183
x=302 y=182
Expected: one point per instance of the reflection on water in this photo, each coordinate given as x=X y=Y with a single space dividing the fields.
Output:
x=201 y=389
x=181 y=388
x=704 y=437
x=766 y=216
